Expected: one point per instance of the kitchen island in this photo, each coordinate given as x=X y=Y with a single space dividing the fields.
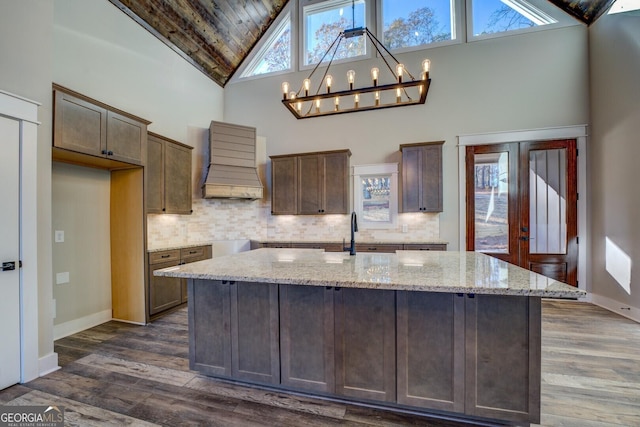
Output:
x=450 y=334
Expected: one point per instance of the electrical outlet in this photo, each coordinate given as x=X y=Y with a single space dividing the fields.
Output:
x=62 y=278
x=405 y=228
x=59 y=236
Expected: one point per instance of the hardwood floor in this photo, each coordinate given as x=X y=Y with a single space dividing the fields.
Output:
x=122 y=374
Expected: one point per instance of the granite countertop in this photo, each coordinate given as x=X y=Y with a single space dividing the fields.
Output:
x=431 y=271
x=368 y=242
x=174 y=247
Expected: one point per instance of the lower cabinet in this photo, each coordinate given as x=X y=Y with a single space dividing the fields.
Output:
x=339 y=341
x=234 y=330
x=168 y=292
x=473 y=355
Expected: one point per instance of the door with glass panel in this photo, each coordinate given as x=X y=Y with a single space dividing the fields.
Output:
x=522 y=205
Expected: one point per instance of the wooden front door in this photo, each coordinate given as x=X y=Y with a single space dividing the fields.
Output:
x=522 y=205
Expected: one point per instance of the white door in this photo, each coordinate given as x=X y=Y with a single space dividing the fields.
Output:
x=9 y=252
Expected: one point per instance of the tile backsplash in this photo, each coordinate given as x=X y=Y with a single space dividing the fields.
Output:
x=223 y=219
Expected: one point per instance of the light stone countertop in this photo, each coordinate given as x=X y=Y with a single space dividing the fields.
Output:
x=430 y=271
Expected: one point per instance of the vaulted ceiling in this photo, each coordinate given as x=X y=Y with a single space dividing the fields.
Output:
x=216 y=35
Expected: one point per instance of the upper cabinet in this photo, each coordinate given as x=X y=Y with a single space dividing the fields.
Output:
x=168 y=169
x=422 y=177
x=89 y=132
x=310 y=183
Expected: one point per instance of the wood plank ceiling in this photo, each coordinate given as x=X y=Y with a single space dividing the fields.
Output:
x=217 y=35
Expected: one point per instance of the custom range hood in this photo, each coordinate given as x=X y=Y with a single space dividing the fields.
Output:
x=232 y=168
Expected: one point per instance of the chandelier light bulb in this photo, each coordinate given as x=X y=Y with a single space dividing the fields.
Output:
x=399 y=71
x=356 y=100
x=337 y=103
x=377 y=97
x=299 y=106
x=292 y=95
x=374 y=75
x=398 y=94
x=285 y=89
x=426 y=67
x=329 y=81
x=317 y=105
x=306 y=84
x=351 y=78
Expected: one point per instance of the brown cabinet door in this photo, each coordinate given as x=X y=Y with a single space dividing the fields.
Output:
x=164 y=292
x=310 y=185
x=306 y=338
x=432 y=178
x=411 y=179
x=255 y=350
x=365 y=344
x=431 y=350
x=155 y=175
x=335 y=183
x=126 y=138
x=284 y=186
x=210 y=327
x=422 y=177
x=79 y=125
x=177 y=179
x=503 y=336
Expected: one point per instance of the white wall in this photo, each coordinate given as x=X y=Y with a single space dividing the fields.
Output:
x=101 y=52
x=527 y=81
x=615 y=148
x=81 y=198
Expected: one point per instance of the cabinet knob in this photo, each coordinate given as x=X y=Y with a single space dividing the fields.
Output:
x=104 y=151
x=109 y=153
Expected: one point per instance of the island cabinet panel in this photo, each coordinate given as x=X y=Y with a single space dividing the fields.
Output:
x=255 y=350
x=210 y=327
x=430 y=354
x=503 y=357
x=306 y=338
x=365 y=344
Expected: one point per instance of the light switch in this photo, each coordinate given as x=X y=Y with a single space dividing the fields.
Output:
x=59 y=236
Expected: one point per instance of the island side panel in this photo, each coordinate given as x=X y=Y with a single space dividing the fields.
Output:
x=365 y=344
x=307 y=338
x=209 y=327
x=431 y=350
x=503 y=338
x=255 y=336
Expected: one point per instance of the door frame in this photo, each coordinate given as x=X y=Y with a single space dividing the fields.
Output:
x=26 y=112
x=579 y=133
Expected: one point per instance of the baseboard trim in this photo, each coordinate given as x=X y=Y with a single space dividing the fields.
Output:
x=77 y=325
x=617 y=307
x=48 y=364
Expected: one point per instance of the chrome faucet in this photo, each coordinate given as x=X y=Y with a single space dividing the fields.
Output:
x=354 y=228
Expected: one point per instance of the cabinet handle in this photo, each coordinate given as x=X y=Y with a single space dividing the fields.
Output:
x=372 y=249
x=471 y=295
x=193 y=252
x=109 y=153
x=165 y=256
x=104 y=151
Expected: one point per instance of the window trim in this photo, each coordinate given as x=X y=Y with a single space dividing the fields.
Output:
x=457 y=28
x=563 y=20
x=361 y=171
x=370 y=6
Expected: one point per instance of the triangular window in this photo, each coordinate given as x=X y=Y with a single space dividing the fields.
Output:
x=275 y=53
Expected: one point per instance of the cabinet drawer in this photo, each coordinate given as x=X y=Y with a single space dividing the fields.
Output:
x=425 y=247
x=193 y=254
x=164 y=256
x=385 y=248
